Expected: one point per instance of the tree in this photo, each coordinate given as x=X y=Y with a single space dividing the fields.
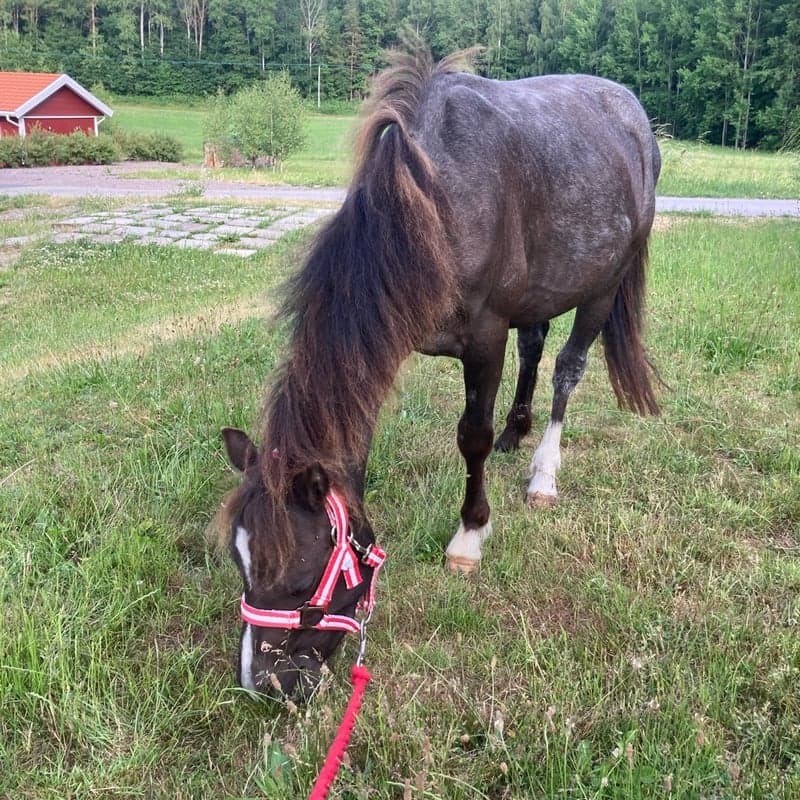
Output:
x=261 y=121
x=313 y=21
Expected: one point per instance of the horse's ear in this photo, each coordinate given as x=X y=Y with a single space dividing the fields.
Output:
x=242 y=453
x=311 y=488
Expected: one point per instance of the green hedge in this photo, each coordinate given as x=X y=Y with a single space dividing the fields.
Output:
x=41 y=148
x=147 y=146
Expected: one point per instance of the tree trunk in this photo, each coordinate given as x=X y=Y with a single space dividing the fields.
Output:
x=93 y=26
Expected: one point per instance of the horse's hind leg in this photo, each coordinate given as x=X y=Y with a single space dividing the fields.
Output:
x=530 y=343
x=483 y=367
x=570 y=366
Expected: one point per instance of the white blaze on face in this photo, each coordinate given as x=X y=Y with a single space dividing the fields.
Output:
x=246 y=659
x=242 y=544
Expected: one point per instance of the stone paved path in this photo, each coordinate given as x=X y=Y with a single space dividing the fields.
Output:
x=231 y=231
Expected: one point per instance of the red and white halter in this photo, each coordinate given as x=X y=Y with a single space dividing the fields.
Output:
x=343 y=560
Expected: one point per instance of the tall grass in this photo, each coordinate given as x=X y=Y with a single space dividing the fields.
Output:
x=639 y=640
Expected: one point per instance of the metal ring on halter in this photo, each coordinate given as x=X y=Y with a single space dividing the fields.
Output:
x=358 y=547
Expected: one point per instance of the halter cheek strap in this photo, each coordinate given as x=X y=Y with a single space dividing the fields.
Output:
x=343 y=561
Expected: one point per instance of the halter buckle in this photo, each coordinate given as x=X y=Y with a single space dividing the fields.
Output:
x=358 y=547
x=311 y=616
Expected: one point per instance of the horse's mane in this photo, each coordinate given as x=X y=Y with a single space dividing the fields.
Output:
x=378 y=281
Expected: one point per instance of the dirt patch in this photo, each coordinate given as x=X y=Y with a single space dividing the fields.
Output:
x=8 y=257
x=13 y=215
x=666 y=222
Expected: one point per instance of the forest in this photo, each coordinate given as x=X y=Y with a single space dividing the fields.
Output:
x=722 y=71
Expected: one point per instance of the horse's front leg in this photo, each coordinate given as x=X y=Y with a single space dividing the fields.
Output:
x=483 y=367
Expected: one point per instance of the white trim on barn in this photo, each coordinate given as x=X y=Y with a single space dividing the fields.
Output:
x=58 y=83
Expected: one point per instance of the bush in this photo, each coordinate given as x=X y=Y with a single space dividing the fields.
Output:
x=261 y=122
x=100 y=149
x=42 y=149
x=147 y=146
x=11 y=154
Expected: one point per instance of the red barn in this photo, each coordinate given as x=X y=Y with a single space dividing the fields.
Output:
x=48 y=101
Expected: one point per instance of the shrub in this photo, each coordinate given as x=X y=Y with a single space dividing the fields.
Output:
x=100 y=149
x=261 y=122
x=11 y=153
x=42 y=148
x=147 y=146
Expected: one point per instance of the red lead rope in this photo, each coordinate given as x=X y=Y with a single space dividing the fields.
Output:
x=360 y=677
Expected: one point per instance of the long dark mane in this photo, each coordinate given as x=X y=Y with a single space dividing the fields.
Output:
x=377 y=282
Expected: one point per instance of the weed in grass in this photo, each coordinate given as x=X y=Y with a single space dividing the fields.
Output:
x=188 y=192
x=229 y=238
x=728 y=351
x=21 y=201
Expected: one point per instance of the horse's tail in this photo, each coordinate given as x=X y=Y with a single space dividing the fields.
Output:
x=629 y=368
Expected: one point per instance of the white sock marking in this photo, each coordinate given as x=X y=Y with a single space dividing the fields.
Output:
x=466 y=544
x=546 y=462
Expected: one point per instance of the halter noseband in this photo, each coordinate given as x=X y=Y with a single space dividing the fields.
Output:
x=343 y=560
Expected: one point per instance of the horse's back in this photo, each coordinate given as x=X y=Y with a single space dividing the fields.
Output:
x=551 y=177
x=560 y=131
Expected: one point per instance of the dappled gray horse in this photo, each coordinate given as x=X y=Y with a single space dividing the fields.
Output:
x=477 y=206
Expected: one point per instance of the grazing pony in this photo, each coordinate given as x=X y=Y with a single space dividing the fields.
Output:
x=477 y=206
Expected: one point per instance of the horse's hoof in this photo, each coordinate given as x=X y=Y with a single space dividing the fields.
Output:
x=461 y=564
x=507 y=442
x=541 y=500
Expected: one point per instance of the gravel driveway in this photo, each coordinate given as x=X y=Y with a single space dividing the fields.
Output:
x=113 y=181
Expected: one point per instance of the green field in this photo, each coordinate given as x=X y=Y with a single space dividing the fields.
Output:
x=323 y=161
x=689 y=169
x=702 y=170
x=640 y=640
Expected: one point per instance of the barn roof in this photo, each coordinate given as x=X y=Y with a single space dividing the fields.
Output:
x=20 y=92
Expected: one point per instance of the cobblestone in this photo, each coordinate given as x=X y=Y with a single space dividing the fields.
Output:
x=206 y=228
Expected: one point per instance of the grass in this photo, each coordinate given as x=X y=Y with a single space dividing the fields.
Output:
x=323 y=161
x=637 y=641
x=689 y=169
x=699 y=170
x=185 y=124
